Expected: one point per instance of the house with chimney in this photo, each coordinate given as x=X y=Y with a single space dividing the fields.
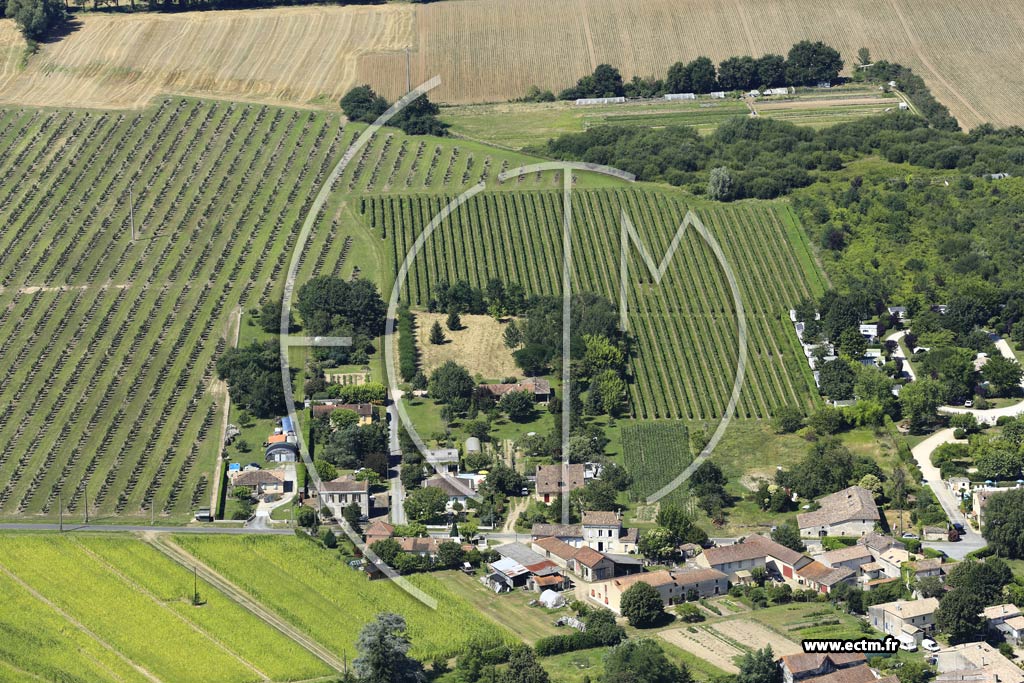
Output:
x=907 y=620
x=556 y=480
x=977 y=663
x=674 y=587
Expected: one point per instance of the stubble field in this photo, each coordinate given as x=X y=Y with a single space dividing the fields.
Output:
x=487 y=53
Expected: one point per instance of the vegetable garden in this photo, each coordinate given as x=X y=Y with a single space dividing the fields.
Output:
x=685 y=327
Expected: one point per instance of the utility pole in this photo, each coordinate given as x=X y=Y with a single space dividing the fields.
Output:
x=408 y=72
x=86 y=502
x=195 y=585
x=131 y=210
x=60 y=510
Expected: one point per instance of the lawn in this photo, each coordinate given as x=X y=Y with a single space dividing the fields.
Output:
x=508 y=610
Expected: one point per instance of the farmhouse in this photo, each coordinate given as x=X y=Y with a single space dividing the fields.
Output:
x=456 y=489
x=816 y=576
x=344 y=491
x=363 y=410
x=540 y=388
x=976 y=662
x=378 y=530
x=570 y=533
x=851 y=557
x=1005 y=620
x=603 y=531
x=850 y=512
x=552 y=482
x=263 y=482
x=731 y=559
x=907 y=620
x=673 y=586
x=814 y=666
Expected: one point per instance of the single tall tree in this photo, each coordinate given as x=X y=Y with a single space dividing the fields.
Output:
x=383 y=647
x=641 y=604
x=436 y=333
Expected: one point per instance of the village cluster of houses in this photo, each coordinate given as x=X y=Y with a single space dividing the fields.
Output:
x=825 y=351
x=977 y=494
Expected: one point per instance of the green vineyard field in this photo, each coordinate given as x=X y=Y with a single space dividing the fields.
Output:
x=654 y=453
x=685 y=327
x=108 y=345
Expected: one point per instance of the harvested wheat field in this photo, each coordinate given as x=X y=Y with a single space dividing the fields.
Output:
x=486 y=52
x=477 y=345
x=290 y=55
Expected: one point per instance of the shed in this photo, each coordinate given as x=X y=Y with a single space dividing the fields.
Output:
x=551 y=599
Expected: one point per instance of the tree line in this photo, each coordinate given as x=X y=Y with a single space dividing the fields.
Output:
x=807 y=63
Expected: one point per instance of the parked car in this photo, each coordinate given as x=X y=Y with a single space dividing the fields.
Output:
x=909 y=534
x=930 y=645
x=908 y=647
x=968 y=403
x=959 y=527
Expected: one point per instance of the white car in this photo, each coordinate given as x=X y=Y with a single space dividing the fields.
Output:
x=908 y=647
x=968 y=403
x=909 y=534
x=930 y=645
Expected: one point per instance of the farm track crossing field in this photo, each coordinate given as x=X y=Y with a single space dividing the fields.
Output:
x=685 y=327
x=108 y=345
x=309 y=587
x=105 y=608
x=968 y=54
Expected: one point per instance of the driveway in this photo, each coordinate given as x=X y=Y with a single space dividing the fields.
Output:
x=922 y=453
x=261 y=516
x=993 y=414
x=898 y=353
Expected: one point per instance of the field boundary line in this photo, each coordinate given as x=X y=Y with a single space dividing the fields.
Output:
x=76 y=623
x=915 y=43
x=233 y=592
x=131 y=583
x=218 y=475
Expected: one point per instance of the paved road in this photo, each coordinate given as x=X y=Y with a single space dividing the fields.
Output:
x=397 y=490
x=898 y=353
x=947 y=499
x=229 y=530
x=993 y=414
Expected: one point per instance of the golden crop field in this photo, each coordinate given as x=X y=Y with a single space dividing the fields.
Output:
x=487 y=52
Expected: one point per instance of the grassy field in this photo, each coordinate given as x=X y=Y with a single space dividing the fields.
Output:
x=654 y=453
x=277 y=56
x=312 y=589
x=685 y=328
x=106 y=608
x=521 y=124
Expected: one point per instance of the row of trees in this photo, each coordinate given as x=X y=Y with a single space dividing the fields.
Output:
x=807 y=63
x=36 y=19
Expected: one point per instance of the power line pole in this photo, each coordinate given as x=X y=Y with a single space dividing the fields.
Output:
x=408 y=72
x=86 y=502
x=60 y=509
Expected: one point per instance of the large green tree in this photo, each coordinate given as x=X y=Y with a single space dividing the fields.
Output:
x=1004 y=374
x=788 y=534
x=759 y=666
x=641 y=604
x=958 y=615
x=424 y=503
x=450 y=381
x=523 y=667
x=808 y=63
x=1004 y=523
x=36 y=18
x=383 y=647
x=641 y=660
x=361 y=103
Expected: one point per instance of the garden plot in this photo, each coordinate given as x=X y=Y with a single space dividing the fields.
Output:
x=746 y=631
x=705 y=645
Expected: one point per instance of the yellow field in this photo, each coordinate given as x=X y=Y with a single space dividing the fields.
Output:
x=485 y=51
